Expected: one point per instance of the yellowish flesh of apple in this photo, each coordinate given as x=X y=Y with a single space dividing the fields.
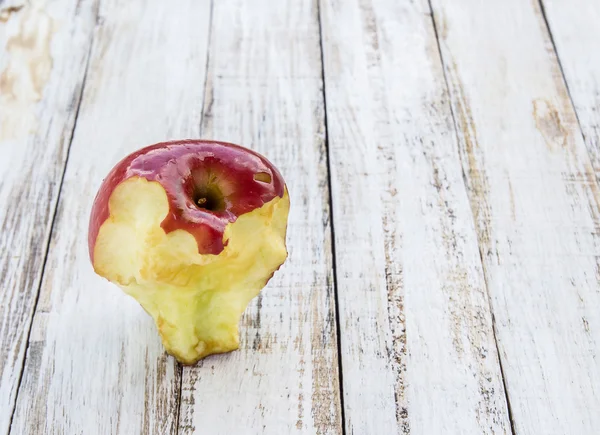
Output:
x=196 y=300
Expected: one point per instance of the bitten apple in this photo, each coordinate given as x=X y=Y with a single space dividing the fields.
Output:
x=193 y=230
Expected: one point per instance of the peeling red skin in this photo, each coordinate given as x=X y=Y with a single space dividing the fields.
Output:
x=171 y=164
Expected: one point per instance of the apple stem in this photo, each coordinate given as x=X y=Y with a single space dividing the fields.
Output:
x=201 y=201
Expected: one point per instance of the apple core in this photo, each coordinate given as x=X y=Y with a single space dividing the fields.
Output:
x=193 y=230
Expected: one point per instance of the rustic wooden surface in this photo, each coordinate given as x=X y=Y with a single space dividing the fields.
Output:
x=442 y=158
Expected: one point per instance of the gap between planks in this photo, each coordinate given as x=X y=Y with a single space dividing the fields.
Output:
x=338 y=319
x=53 y=220
x=181 y=367
x=15 y=12
x=485 y=278
x=560 y=66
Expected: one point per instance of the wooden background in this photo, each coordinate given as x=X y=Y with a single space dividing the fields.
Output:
x=442 y=158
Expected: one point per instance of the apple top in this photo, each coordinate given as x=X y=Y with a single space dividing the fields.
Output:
x=208 y=185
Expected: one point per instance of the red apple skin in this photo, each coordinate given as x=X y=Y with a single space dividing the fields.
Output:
x=177 y=165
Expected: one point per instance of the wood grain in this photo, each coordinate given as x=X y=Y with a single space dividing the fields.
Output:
x=43 y=55
x=418 y=350
x=95 y=364
x=264 y=91
x=576 y=34
x=536 y=207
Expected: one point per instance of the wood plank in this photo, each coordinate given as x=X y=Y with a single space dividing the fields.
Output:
x=264 y=91
x=95 y=364
x=575 y=31
x=536 y=205
x=418 y=350
x=43 y=55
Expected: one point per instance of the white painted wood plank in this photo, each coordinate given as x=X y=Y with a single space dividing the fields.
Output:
x=576 y=32
x=95 y=364
x=536 y=205
x=43 y=53
x=418 y=351
x=264 y=91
